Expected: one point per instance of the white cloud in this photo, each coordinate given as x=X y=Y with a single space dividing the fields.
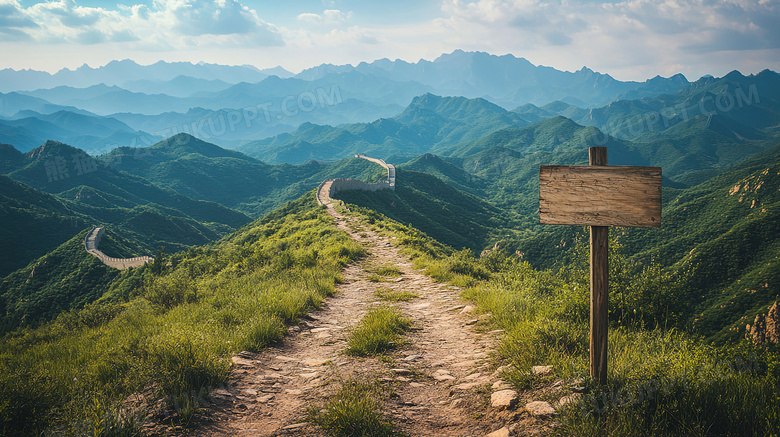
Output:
x=626 y=36
x=177 y=22
x=329 y=17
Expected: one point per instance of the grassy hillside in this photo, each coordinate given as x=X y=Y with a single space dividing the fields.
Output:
x=661 y=381
x=207 y=172
x=452 y=217
x=58 y=168
x=64 y=190
x=173 y=328
x=33 y=223
x=65 y=278
x=725 y=231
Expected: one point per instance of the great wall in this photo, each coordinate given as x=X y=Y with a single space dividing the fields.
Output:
x=332 y=186
x=91 y=242
x=324 y=192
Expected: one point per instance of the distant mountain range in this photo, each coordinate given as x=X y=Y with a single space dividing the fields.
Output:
x=711 y=124
x=120 y=72
x=244 y=104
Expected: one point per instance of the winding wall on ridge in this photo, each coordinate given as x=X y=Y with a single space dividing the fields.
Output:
x=91 y=242
x=332 y=186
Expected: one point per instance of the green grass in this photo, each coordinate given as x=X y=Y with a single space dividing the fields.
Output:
x=354 y=411
x=172 y=331
x=662 y=381
x=373 y=277
x=391 y=295
x=379 y=330
x=389 y=270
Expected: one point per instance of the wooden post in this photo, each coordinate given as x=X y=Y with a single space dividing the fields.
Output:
x=599 y=195
x=599 y=287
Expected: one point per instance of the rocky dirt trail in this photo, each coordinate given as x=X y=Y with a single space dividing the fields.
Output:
x=443 y=375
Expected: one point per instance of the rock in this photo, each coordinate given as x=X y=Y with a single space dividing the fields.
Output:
x=773 y=324
x=467 y=385
x=315 y=362
x=541 y=370
x=540 y=408
x=456 y=307
x=501 y=385
x=566 y=400
x=504 y=399
x=265 y=398
x=412 y=357
x=765 y=328
x=443 y=377
x=239 y=361
x=296 y=425
x=400 y=371
x=294 y=392
x=472 y=376
x=250 y=391
x=499 y=371
x=503 y=432
x=456 y=403
x=467 y=309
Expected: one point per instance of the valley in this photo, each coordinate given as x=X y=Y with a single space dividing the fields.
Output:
x=254 y=272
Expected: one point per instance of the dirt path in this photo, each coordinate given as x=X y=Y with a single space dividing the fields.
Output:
x=443 y=376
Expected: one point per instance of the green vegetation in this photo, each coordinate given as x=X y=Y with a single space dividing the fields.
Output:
x=446 y=214
x=391 y=295
x=168 y=330
x=354 y=411
x=389 y=270
x=662 y=381
x=379 y=330
x=206 y=172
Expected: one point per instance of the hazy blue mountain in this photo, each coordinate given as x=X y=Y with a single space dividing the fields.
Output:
x=234 y=127
x=505 y=80
x=179 y=86
x=119 y=72
x=428 y=124
x=90 y=132
x=12 y=103
x=322 y=90
x=752 y=101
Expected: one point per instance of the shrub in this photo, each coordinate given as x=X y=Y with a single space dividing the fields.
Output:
x=353 y=411
x=171 y=290
x=263 y=330
x=378 y=331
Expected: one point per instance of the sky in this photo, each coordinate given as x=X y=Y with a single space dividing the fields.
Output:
x=630 y=39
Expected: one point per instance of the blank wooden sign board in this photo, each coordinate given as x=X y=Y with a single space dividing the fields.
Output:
x=599 y=196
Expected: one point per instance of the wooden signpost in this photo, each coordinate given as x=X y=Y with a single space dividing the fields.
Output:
x=599 y=196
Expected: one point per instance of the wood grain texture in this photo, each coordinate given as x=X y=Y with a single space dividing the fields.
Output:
x=599 y=301
x=600 y=195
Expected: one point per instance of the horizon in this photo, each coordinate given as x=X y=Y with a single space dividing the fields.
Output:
x=628 y=40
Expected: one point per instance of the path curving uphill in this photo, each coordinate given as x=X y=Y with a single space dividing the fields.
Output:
x=91 y=242
x=332 y=186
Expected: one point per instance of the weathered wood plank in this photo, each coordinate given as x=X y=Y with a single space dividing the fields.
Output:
x=600 y=195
